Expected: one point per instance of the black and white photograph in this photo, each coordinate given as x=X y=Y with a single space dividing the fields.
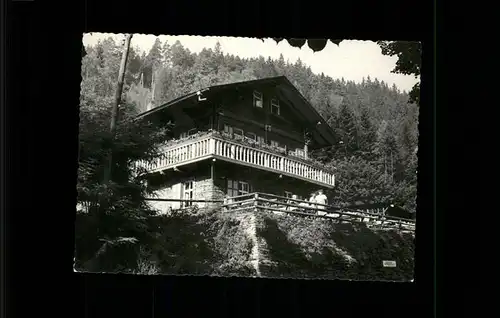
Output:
x=248 y=157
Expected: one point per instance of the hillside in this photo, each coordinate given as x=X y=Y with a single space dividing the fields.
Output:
x=269 y=245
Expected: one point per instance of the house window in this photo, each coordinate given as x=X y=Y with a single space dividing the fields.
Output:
x=275 y=106
x=238 y=133
x=232 y=188
x=228 y=129
x=235 y=187
x=233 y=131
x=276 y=144
x=244 y=188
x=187 y=192
x=299 y=152
x=251 y=136
x=257 y=99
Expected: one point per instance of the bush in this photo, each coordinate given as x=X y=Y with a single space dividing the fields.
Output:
x=202 y=242
x=319 y=248
x=211 y=242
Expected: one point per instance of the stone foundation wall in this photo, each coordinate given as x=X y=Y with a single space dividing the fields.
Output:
x=203 y=189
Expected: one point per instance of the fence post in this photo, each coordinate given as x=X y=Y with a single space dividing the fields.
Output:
x=256 y=201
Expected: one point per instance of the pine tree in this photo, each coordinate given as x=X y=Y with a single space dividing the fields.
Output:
x=387 y=150
x=152 y=63
x=100 y=70
x=360 y=182
x=134 y=63
x=181 y=56
x=205 y=69
x=406 y=145
x=166 y=54
x=280 y=65
x=218 y=56
x=368 y=136
x=270 y=64
x=348 y=129
x=116 y=223
x=155 y=55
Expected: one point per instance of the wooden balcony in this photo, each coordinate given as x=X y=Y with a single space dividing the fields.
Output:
x=218 y=146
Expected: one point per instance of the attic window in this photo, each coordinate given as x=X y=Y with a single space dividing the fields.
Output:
x=275 y=106
x=257 y=99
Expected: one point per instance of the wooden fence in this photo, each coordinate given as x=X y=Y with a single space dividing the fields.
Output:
x=287 y=206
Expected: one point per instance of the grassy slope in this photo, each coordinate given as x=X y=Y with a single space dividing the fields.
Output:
x=221 y=244
x=319 y=248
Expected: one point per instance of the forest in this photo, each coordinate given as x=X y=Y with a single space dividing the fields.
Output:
x=377 y=124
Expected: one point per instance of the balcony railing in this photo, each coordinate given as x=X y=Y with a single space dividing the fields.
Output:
x=217 y=145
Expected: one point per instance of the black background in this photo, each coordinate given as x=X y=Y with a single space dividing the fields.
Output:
x=43 y=44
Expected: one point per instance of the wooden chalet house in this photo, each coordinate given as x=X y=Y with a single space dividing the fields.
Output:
x=238 y=138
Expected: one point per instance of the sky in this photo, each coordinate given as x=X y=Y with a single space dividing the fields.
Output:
x=351 y=60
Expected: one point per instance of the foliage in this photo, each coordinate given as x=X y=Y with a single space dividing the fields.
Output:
x=319 y=248
x=347 y=129
x=367 y=135
x=199 y=242
x=184 y=245
x=233 y=245
x=314 y=44
x=409 y=61
x=362 y=182
x=117 y=222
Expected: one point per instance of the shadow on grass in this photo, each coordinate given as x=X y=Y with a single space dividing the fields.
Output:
x=370 y=248
x=317 y=253
x=233 y=248
x=287 y=259
x=184 y=245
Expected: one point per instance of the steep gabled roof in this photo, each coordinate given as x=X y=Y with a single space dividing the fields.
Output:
x=282 y=83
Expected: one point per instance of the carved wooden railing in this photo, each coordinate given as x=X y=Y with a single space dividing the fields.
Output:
x=213 y=144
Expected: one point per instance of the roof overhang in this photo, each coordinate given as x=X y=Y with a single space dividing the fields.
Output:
x=302 y=106
x=308 y=112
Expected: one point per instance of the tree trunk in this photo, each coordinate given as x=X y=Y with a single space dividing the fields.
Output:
x=114 y=111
